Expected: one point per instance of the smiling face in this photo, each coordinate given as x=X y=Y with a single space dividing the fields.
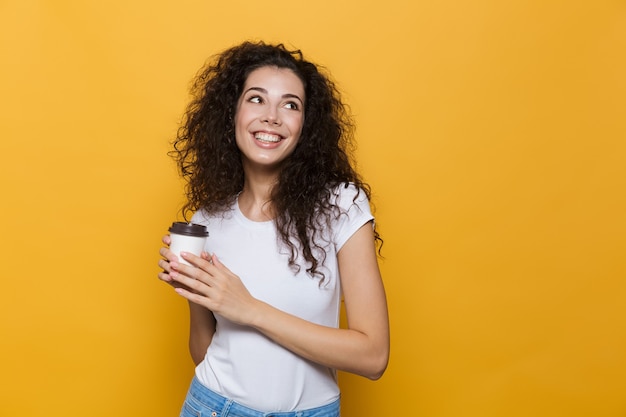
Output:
x=269 y=118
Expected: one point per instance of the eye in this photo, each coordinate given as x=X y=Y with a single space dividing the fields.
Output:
x=255 y=99
x=292 y=105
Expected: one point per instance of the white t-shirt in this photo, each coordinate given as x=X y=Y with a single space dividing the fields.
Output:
x=241 y=363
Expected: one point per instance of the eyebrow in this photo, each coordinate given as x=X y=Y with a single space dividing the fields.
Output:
x=264 y=91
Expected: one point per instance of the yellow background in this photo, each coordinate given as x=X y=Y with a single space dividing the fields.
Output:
x=492 y=132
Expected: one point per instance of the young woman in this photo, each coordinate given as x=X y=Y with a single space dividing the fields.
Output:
x=264 y=149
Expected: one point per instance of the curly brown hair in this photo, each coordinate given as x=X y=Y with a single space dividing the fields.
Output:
x=210 y=162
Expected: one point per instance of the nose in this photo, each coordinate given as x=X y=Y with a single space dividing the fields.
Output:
x=271 y=116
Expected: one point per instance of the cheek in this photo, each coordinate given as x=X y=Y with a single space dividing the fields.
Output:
x=243 y=114
x=297 y=125
x=241 y=123
x=239 y=116
x=240 y=129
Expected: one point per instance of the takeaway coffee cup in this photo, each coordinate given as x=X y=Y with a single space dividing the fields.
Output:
x=187 y=237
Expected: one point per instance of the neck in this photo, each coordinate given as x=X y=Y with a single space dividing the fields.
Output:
x=254 y=200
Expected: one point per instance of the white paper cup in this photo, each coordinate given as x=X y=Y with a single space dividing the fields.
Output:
x=187 y=237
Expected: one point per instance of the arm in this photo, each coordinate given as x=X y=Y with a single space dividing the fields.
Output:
x=362 y=348
x=201 y=330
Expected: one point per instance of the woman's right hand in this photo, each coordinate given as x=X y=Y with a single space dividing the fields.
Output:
x=165 y=263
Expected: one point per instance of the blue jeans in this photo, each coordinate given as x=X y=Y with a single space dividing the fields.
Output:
x=202 y=402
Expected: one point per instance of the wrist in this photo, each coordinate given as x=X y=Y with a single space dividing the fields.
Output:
x=257 y=313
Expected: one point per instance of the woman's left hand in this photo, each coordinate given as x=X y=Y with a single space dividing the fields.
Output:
x=215 y=287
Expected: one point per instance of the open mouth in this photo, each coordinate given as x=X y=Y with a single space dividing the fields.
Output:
x=267 y=137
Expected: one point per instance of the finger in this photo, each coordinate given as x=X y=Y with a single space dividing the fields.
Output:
x=164 y=265
x=167 y=278
x=166 y=239
x=195 y=282
x=168 y=254
x=206 y=256
x=164 y=276
x=202 y=276
x=198 y=261
x=215 y=261
x=191 y=296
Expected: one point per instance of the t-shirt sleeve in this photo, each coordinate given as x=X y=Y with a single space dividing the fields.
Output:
x=354 y=213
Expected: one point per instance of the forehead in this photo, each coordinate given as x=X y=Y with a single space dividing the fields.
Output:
x=280 y=80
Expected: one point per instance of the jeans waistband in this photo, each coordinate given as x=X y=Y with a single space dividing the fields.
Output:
x=228 y=408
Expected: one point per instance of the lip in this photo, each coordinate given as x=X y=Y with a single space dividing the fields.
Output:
x=268 y=132
x=272 y=137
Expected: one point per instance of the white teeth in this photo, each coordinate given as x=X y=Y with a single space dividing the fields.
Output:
x=266 y=137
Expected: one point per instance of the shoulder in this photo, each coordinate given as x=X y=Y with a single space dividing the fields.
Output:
x=205 y=217
x=200 y=217
x=217 y=210
x=347 y=195
x=351 y=211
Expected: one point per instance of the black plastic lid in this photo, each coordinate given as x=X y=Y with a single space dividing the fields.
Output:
x=189 y=229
